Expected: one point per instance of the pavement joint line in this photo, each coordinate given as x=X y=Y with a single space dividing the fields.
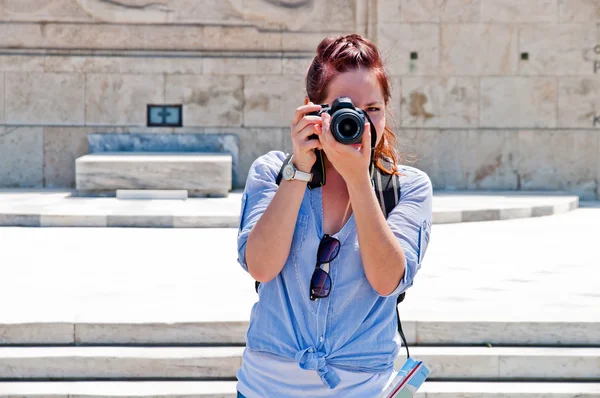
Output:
x=56 y=208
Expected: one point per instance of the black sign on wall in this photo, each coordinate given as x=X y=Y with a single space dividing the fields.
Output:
x=165 y=116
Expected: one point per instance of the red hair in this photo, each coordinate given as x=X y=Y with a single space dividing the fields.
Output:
x=344 y=54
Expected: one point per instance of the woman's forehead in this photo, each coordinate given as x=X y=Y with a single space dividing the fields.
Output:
x=361 y=86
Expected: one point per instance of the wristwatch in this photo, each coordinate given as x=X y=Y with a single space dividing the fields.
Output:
x=291 y=173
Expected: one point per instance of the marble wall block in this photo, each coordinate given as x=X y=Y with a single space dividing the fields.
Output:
x=439 y=10
x=165 y=11
x=44 y=98
x=207 y=100
x=420 y=10
x=62 y=146
x=135 y=37
x=518 y=102
x=559 y=160
x=579 y=103
x=21 y=63
x=287 y=145
x=459 y=10
x=305 y=42
x=538 y=11
x=47 y=10
x=417 y=148
x=447 y=102
x=21 y=157
x=490 y=159
x=307 y=16
x=268 y=65
x=335 y=15
x=166 y=37
x=125 y=65
x=121 y=99
x=128 y=12
x=396 y=42
x=270 y=16
x=389 y=11
x=240 y=38
x=270 y=101
x=82 y=35
x=1 y=98
x=449 y=172
x=440 y=153
x=21 y=35
x=485 y=49
x=394 y=115
x=558 y=49
x=295 y=65
x=208 y=11
x=579 y=11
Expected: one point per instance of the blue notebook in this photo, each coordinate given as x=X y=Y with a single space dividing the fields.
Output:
x=409 y=379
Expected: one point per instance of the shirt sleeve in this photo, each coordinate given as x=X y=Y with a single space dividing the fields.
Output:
x=257 y=195
x=410 y=221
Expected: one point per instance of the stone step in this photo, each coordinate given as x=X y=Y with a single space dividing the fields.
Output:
x=60 y=208
x=102 y=174
x=175 y=363
x=227 y=389
x=422 y=332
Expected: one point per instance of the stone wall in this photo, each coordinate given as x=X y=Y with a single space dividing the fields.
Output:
x=488 y=94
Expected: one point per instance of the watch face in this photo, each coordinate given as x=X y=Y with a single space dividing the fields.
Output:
x=288 y=172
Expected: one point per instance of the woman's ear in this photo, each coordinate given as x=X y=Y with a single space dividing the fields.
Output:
x=306 y=100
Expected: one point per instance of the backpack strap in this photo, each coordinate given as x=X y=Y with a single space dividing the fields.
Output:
x=387 y=188
x=400 y=331
x=388 y=191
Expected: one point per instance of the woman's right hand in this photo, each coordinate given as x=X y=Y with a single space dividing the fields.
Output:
x=303 y=126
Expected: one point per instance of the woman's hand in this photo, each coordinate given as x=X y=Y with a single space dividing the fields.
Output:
x=304 y=126
x=351 y=161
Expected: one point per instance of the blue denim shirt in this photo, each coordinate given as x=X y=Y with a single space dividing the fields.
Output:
x=354 y=328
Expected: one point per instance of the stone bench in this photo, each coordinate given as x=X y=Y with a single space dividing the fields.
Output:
x=201 y=174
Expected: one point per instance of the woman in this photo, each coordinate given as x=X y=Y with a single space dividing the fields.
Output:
x=302 y=341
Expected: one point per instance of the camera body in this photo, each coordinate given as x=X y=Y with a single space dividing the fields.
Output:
x=347 y=121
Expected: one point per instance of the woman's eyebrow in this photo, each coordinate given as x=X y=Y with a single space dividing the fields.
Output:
x=373 y=103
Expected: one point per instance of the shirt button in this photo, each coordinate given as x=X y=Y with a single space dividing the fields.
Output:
x=311 y=350
x=321 y=339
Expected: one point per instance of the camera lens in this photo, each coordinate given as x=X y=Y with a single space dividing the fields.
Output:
x=348 y=128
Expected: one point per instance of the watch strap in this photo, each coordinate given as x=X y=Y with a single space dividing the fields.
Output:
x=301 y=175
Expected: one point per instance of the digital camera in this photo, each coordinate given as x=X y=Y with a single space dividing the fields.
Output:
x=347 y=121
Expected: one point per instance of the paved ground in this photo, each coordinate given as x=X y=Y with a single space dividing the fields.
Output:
x=544 y=268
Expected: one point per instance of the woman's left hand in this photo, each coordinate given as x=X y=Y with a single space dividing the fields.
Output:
x=351 y=161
